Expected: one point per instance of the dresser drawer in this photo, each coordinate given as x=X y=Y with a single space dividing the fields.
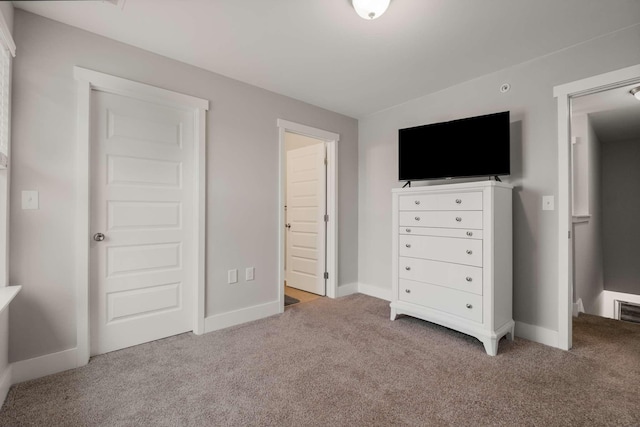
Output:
x=462 y=277
x=444 y=219
x=469 y=201
x=460 y=251
x=442 y=232
x=452 y=301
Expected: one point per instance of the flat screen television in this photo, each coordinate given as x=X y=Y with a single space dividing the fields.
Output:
x=476 y=146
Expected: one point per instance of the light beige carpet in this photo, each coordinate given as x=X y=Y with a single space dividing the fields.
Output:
x=342 y=362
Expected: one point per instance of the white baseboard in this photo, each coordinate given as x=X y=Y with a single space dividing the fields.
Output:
x=348 y=289
x=48 y=364
x=5 y=383
x=236 y=317
x=607 y=302
x=537 y=333
x=375 y=291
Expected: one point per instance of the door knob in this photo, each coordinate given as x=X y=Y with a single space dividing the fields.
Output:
x=98 y=237
x=288 y=225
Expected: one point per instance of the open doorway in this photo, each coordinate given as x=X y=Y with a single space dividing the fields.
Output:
x=565 y=95
x=605 y=146
x=308 y=261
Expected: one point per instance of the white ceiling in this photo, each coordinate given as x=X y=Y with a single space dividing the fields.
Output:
x=321 y=52
x=614 y=114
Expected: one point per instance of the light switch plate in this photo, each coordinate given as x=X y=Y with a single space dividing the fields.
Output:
x=30 y=199
x=250 y=273
x=548 y=203
x=232 y=276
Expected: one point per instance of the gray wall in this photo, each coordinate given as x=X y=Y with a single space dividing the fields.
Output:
x=621 y=212
x=242 y=176
x=588 y=267
x=534 y=162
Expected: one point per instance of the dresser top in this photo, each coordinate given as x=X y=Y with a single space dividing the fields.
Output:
x=454 y=186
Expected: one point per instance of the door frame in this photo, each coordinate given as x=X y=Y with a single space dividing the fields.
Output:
x=331 y=140
x=87 y=81
x=564 y=93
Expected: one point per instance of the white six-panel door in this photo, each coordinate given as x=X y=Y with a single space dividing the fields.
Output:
x=142 y=200
x=306 y=201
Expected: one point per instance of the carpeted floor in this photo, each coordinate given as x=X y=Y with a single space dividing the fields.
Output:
x=342 y=362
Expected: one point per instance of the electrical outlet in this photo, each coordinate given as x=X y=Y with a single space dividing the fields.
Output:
x=250 y=273
x=548 y=203
x=232 y=276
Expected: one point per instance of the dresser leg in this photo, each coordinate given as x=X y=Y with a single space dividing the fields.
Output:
x=393 y=314
x=491 y=346
x=511 y=334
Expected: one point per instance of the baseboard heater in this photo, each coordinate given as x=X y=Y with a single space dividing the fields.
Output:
x=627 y=311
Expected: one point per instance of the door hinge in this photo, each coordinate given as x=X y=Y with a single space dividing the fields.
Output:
x=569 y=233
x=326 y=218
x=325 y=160
x=326 y=275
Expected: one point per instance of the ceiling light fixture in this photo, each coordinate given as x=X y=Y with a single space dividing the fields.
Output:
x=636 y=92
x=370 y=9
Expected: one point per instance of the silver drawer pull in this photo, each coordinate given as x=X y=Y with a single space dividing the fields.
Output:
x=408 y=230
x=458 y=201
x=407 y=268
x=469 y=233
x=469 y=306
x=469 y=251
x=469 y=279
x=408 y=245
x=417 y=202
x=417 y=218
x=408 y=291
x=459 y=219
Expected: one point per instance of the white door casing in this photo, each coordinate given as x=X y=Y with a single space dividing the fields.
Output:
x=141 y=285
x=564 y=93
x=88 y=83
x=331 y=139
x=306 y=227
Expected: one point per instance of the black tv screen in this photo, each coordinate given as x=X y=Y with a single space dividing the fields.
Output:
x=476 y=146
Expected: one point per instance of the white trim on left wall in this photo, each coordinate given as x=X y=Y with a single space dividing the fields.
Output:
x=86 y=81
x=6 y=38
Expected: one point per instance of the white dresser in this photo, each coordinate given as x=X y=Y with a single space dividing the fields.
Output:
x=452 y=258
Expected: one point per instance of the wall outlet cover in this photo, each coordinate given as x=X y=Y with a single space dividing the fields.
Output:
x=250 y=273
